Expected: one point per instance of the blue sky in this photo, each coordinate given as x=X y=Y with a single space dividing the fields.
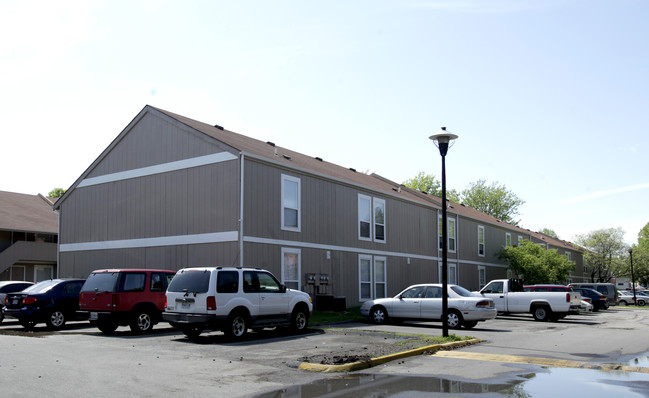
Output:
x=549 y=98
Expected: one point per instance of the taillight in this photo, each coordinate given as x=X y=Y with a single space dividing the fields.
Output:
x=567 y=297
x=587 y=299
x=115 y=301
x=483 y=304
x=211 y=302
x=165 y=302
x=29 y=300
x=6 y=300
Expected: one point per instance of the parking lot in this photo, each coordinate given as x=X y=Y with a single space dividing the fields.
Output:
x=80 y=359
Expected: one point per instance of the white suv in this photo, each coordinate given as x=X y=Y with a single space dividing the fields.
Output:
x=233 y=300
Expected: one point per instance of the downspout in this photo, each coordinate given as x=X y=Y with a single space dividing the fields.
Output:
x=241 y=190
x=58 y=242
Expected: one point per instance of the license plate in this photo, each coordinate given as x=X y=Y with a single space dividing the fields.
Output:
x=186 y=305
x=15 y=301
x=93 y=316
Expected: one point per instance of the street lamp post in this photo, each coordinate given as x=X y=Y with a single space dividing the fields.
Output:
x=442 y=141
x=632 y=276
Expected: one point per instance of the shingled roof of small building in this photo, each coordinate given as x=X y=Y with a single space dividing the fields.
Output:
x=27 y=213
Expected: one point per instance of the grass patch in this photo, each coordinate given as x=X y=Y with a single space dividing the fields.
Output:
x=322 y=317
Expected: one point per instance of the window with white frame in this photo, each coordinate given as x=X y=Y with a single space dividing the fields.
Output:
x=452 y=273
x=482 y=276
x=291 y=267
x=43 y=272
x=451 y=233
x=371 y=218
x=481 y=245
x=569 y=256
x=379 y=220
x=508 y=239
x=364 y=217
x=520 y=240
x=290 y=203
x=372 y=272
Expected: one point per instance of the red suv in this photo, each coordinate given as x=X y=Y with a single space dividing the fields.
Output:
x=121 y=297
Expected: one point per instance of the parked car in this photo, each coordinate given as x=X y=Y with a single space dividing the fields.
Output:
x=626 y=298
x=424 y=302
x=607 y=289
x=233 y=300
x=10 y=287
x=586 y=306
x=598 y=299
x=53 y=301
x=509 y=297
x=125 y=297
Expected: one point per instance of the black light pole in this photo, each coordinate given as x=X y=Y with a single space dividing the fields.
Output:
x=632 y=276
x=442 y=141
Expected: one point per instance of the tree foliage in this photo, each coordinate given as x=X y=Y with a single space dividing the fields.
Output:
x=549 y=232
x=431 y=185
x=56 y=193
x=535 y=264
x=493 y=199
x=606 y=254
x=641 y=258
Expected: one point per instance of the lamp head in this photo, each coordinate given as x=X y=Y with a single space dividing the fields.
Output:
x=442 y=140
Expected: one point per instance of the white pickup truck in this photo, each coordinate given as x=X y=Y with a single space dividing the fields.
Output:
x=509 y=297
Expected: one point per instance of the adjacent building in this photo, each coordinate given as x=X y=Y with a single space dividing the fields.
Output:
x=28 y=237
x=172 y=192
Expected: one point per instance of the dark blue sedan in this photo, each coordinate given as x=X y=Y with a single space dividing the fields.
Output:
x=53 y=301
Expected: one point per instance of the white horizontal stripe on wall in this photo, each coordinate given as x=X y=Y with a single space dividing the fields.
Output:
x=159 y=168
x=215 y=237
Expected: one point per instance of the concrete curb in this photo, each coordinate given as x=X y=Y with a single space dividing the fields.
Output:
x=351 y=367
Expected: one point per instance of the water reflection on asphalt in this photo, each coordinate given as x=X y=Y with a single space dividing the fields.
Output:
x=552 y=382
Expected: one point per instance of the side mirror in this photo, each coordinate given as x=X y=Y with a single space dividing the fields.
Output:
x=282 y=288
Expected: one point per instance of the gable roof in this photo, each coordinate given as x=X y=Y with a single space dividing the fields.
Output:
x=27 y=213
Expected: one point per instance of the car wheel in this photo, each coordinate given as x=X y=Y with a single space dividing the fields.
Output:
x=470 y=325
x=541 y=313
x=192 y=332
x=107 y=327
x=299 y=320
x=237 y=325
x=378 y=315
x=454 y=319
x=142 y=323
x=641 y=303
x=56 y=320
x=29 y=325
x=622 y=302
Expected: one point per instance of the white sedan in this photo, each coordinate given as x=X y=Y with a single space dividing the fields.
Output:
x=424 y=302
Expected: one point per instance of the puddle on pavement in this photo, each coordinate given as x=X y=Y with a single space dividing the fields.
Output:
x=550 y=382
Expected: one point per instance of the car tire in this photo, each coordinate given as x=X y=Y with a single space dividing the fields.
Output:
x=299 y=320
x=55 y=320
x=470 y=324
x=237 y=325
x=142 y=323
x=641 y=303
x=622 y=302
x=378 y=315
x=454 y=319
x=542 y=313
x=107 y=327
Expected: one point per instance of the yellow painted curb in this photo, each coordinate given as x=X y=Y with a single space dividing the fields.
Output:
x=559 y=363
x=350 y=367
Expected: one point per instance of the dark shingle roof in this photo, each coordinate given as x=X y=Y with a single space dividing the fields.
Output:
x=28 y=213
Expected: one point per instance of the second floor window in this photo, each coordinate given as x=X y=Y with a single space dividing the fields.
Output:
x=481 y=246
x=290 y=203
x=451 y=233
x=371 y=218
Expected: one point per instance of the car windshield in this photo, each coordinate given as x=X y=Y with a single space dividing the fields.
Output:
x=101 y=282
x=194 y=281
x=41 y=287
x=461 y=291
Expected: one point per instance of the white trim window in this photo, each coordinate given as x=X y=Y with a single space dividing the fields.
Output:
x=481 y=240
x=569 y=256
x=451 y=233
x=452 y=273
x=520 y=240
x=482 y=276
x=372 y=276
x=291 y=267
x=508 y=239
x=371 y=218
x=364 y=217
x=43 y=272
x=291 y=200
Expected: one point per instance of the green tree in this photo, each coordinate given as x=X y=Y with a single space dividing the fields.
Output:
x=605 y=255
x=431 y=185
x=56 y=193
x=535 y=264
x=493 y=199
x=641 y=258
x=549 y=232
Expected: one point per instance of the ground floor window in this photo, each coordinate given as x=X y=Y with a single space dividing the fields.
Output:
x=17 y=273
x=43 y=272
x=372 y=272
x=452 y=273
x=291 y=267
x=482 y=276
